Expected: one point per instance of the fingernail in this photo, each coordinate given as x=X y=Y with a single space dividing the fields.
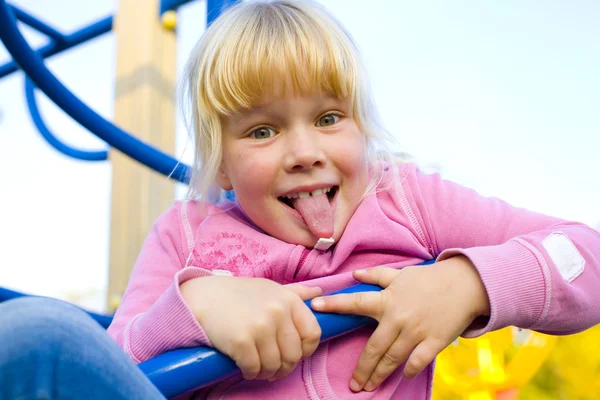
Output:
x=360 y=271
x=318 y=303
x=354 y=386
x=369 y=386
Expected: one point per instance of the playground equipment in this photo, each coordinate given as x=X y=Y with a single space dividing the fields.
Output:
x=476 y=369
x=183 y=370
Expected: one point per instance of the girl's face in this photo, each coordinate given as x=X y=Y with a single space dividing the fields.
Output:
x=285 y=146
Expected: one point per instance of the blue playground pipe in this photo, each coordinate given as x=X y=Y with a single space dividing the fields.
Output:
x=33 y=66
x=170 y=5
x=58 y=42
x=215 y=7
x=184 y=370
x=101 y=155
x=37 y=24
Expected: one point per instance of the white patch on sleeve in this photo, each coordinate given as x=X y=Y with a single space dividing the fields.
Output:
x=221 y=272
x=565 y=255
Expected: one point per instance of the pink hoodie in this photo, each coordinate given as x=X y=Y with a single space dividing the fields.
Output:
x=540 y=272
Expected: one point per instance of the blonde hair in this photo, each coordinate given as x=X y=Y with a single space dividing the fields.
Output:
x=257 y=47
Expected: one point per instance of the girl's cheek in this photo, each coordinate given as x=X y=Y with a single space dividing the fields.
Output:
x=256 y=173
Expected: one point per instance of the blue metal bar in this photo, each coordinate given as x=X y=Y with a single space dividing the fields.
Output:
x=89 y=32
x=33 y=65
x=183 y=370
x=36 y=24
x=214 y=8
x=101 y=155
x=168 y=5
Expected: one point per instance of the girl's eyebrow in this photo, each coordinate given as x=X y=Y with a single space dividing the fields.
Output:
x=240 y=116
x=266 y=108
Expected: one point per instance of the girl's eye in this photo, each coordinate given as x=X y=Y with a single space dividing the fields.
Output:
x=262 y=133
x=327 y=120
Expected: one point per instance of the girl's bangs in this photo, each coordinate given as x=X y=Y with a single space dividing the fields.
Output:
x=278 y=55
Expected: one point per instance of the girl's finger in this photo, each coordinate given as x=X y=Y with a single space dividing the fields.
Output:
x=246 y=358
x=421 y=357
x=359 y=303
x=380 y=276
x=268 y=351
x=378 y=344
x=290 y=347
x=305 y=292
x=307 y=327
x=395 y=356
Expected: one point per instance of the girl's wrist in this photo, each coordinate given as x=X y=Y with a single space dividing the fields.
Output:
x=190 y=290
x=465 y=269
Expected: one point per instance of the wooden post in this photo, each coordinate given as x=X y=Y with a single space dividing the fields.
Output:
x=144 y=106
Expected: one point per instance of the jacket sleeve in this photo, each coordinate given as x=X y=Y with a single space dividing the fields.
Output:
x=153 y=317
x=540 y=272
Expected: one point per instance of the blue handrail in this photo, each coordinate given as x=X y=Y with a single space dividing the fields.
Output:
x=170 y=5
x=215 y=7
x=36 y=116
x=33 y=65
x=58 y=42
x=184 y=370
x=37 y=24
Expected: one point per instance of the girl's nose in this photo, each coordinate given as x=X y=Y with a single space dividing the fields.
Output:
x=303 y=151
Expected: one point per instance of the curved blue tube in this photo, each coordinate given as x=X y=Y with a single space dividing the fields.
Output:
x=66 y=42
x=214 y=8
x=183 y=370
x=168 y=5
x=33 y=65
x=101 y=155
x=37 y=24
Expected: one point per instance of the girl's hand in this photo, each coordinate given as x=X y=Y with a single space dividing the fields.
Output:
x=421 y=311
x=263 y=326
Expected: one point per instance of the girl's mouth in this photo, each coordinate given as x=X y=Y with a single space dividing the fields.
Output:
x=287 y=200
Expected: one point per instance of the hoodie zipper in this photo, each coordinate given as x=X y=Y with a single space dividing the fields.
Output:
x=305 y=254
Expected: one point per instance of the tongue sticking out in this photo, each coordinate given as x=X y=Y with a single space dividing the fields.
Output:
x=317 y=214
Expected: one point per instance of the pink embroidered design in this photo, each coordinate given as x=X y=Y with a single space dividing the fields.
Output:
x=233 y=252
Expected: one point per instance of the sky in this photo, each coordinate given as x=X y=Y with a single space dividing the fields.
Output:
x=502 y=97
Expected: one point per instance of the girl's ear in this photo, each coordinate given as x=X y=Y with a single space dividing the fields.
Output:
x=222 y=179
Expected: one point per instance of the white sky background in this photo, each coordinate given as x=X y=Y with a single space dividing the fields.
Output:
x=503 y=96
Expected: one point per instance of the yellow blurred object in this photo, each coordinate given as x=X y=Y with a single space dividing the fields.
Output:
x=169 y=20
x=573 y=369
x=569 y=370
x=113 y=302
x=479 y=369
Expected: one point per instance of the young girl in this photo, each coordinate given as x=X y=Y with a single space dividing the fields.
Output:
x=283 y=116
